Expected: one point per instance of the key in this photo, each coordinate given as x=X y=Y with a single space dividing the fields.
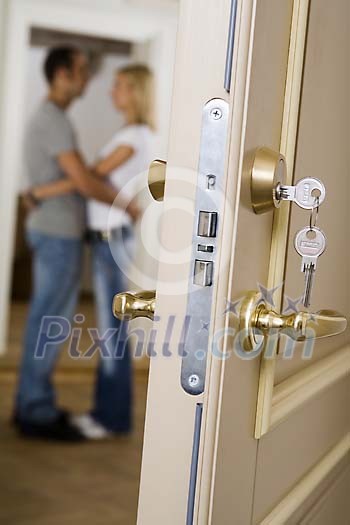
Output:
x=310 y=243
x=308 y=193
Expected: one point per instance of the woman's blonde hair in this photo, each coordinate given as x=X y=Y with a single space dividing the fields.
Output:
x=141 y=79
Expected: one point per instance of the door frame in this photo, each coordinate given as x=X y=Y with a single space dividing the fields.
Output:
x=156 y=33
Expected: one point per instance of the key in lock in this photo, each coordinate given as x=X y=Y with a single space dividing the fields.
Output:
x=308 y=193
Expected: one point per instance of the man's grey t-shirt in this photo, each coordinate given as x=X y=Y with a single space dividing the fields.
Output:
x=49 y=134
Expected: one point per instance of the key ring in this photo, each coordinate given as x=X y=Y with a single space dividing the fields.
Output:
x=314 y=217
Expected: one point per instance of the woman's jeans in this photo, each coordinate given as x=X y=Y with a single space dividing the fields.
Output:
x=113 y=395
x=56 y=276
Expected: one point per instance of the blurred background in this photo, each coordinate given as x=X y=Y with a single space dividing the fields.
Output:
x=93 y=483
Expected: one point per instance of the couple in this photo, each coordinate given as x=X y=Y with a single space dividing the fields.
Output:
x=56 y=225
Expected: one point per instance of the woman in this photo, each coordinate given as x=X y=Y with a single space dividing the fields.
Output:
x=110 y=231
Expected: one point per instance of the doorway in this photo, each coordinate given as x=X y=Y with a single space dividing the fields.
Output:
x=112 y=37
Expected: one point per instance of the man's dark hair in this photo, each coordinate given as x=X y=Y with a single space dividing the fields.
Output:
x=58 y=58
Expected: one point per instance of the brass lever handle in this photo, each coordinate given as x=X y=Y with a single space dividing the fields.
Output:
x=255 y=316
x=129 y=305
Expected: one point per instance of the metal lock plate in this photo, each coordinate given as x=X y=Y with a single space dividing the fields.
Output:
x=208 y=211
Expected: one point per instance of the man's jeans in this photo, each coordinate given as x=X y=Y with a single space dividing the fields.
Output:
x=113 y=394
x=56 y=275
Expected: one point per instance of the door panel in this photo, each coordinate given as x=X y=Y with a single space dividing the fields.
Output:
x=333 y=507
x=323 y=141
x=287 y=452
x=321 y=422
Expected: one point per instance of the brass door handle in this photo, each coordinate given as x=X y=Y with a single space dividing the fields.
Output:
x=256 y=318
x=129 y=305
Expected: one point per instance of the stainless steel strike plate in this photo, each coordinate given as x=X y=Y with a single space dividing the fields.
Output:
x=208 y=213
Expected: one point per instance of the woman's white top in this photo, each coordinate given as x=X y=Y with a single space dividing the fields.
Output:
x=140 y=137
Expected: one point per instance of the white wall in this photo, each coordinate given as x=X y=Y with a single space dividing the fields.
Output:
x=3 y=19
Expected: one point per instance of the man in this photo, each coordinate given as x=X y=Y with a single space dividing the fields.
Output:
x=55 y=229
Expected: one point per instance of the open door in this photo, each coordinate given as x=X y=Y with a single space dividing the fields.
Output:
x=245 y=425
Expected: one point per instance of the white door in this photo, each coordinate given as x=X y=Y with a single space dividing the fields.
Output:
x=231 y=436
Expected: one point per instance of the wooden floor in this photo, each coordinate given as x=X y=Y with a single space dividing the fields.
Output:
x=83 y=484
x=17 y=321
x=53 y=484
